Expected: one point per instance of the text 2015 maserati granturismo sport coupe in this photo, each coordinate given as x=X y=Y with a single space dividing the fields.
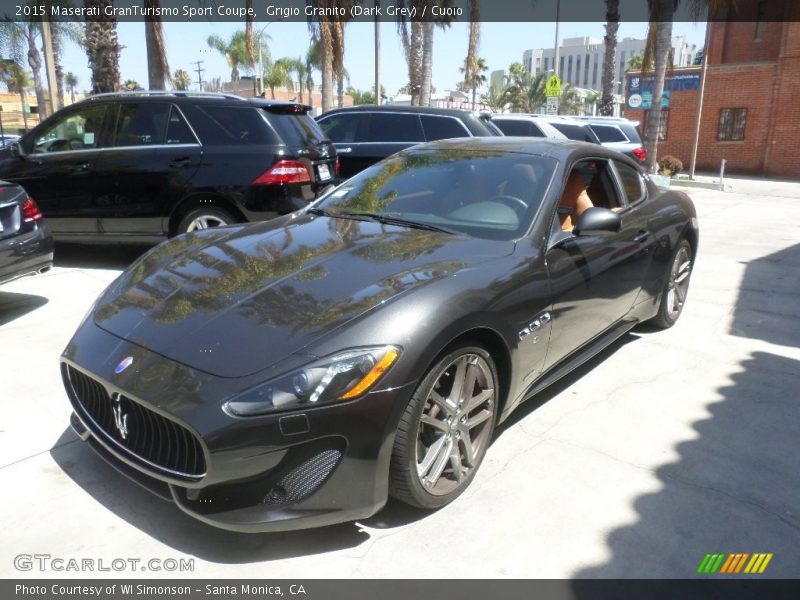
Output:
x=297 y=372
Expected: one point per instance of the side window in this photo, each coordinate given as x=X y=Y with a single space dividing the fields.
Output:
x=519 y=127
x=441 y=128
x=141 y=124
x=395 y=127
x=608 y=133
x=75 y=130
x=590 y=183
x=178 y=131
x=536 y=131
x=345 y=128
x=230 y=125
x=631 y=182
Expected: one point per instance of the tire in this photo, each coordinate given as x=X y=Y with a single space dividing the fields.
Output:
x=204 y=217
x=676 y=286
x=440 y=443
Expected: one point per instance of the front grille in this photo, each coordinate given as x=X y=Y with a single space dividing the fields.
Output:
x=304 y=479
x=160 y=443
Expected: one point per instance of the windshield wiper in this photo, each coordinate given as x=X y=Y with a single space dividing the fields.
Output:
x=391 y=220
x=320 y=212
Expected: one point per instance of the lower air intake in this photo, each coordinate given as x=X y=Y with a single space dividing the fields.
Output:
x=304 y=479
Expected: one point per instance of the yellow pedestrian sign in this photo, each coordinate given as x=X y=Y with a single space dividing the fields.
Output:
x=553 y=87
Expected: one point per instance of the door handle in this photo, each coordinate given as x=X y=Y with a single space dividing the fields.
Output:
x=642 y=236
x=80 y=168
x=180 y=162
x=347 y=149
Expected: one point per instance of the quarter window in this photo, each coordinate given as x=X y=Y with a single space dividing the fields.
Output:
x=731 y=124
x=344 y=128
x=607 y=133
x=631 y=182
x=441 y=128
x=178 y=131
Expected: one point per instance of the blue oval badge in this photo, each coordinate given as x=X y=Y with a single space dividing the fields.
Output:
x=123 y=364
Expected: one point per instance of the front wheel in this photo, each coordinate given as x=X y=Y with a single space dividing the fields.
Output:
x=446 y=429
x=676 y=288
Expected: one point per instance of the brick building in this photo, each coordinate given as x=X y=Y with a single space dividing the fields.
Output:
x=751 y=102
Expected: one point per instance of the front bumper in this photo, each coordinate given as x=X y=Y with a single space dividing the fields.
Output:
x=289 y=470
x=26 y=254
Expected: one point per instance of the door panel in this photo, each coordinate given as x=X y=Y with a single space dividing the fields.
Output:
x=595 y=278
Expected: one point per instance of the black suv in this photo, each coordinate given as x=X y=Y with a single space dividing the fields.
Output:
x=366 y=134
x=142 y=166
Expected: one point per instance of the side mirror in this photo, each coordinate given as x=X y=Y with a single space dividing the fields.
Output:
x=597 y=220
x=16 y=149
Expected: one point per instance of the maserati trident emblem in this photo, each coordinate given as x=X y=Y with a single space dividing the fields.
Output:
x=120 y=418
x=123 y=364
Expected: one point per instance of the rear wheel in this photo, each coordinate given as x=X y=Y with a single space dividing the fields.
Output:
x=446 y=429
x=204 y=217
x=676 y=287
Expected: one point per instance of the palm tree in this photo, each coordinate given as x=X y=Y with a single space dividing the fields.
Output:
x=131 y=85
x=472 y=62
x=298 y=67
x=610 y=58
x=234 y=51
x=71 y=81
x=18 y=80
x=18 y=40
x=102 y=48
x=525 y=92
x=322 y=29
x=61 y=31
x=157 y=65
x=636 y=62
x=181 y=80
x=474 y=78
x=590 y=101
x=277 y=75
x=570 y=102
x=496 y=99
x=337 y=58
x=312 y=63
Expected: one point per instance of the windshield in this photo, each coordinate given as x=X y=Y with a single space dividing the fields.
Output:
x=490 y=194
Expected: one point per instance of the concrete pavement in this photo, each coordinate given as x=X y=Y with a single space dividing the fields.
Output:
x=665 y=447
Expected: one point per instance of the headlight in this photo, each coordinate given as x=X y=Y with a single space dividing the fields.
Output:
x=344 y=376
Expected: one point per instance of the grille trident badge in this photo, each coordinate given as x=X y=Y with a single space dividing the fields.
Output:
x=123 y=364
x=120 y=418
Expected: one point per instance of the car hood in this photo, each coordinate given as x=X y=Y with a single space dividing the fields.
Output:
x=235 y=300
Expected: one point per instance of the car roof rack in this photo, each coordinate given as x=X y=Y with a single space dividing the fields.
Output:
x=173 y=93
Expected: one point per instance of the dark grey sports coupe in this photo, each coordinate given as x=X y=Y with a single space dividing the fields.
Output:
x=295 y=373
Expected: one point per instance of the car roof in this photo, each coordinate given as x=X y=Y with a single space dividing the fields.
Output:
x=428 y=110
x=193 y=98
x=562 y=150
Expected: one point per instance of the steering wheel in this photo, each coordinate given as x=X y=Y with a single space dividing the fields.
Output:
x=517 y=204
x=76 y=144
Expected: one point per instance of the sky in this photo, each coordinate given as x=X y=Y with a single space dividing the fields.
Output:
x=500 y=45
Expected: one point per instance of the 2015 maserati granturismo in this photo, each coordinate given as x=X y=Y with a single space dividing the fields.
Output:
x=295 y=373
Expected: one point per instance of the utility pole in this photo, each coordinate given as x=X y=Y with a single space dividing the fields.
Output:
x=558 y=14
x=377 y=54
x=199 y=72
x=699 y=109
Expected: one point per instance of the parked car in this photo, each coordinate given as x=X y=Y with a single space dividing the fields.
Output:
x=526 y=125
x=143 y=166
x=364 y=135
x=26 y=245
x=619 y=134
x=295 y=373
x=7 y=139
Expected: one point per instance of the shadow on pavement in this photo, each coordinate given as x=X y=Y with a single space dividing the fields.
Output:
x=735 y=486
x=13 y=305
x=166 y=523
x=106 y=256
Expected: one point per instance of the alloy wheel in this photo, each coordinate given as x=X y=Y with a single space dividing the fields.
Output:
x=678 y=284
x=456 y=424
x=204 y=222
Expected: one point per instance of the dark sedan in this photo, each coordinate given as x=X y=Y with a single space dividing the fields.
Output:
x=297 y=372
x=26 y=245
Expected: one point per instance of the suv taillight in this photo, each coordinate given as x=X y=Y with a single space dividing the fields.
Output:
x=30 y=211
x=337 y=166
x=640 y=153
x=284 y=171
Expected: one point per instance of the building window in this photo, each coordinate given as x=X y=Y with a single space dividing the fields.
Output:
x=662 y=126
x=731 y=124
x=578 y=71
x=594 y=75
x=561 y=67
x=569 y=69
x=586 y=72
